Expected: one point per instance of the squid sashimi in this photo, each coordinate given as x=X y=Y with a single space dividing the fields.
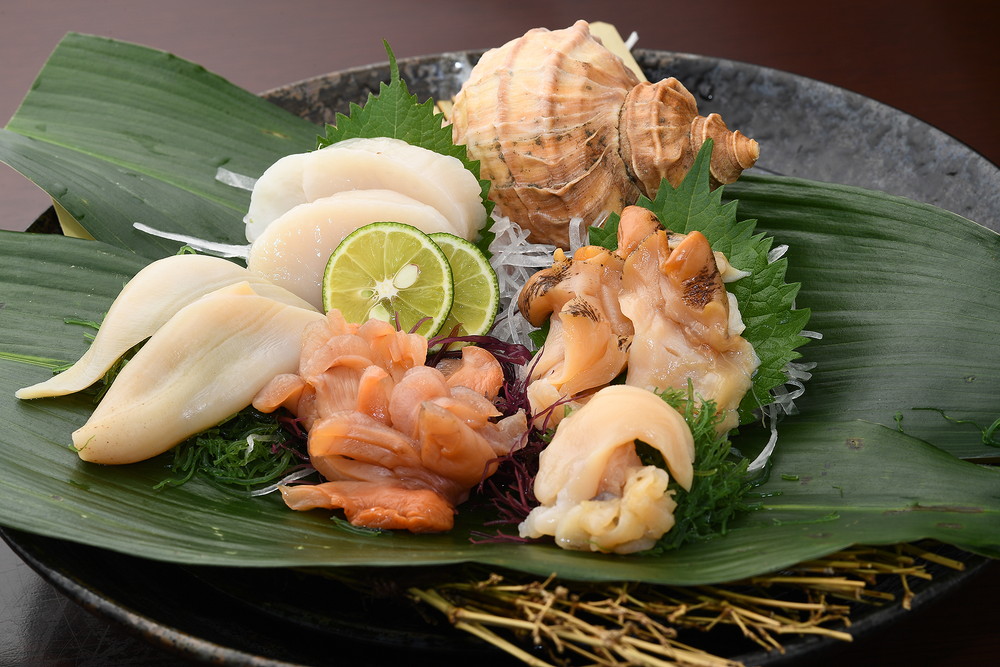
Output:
x=681 y=313
x=293 y=250
x=382 y=163
x=147 y=301
x=203 y=365
x=385 y=430
x=594 y=491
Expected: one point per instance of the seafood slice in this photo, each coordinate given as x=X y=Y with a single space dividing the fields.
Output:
x=383 y=505
x=395 y=351
x=350 y=445
x=382 y=163
x=477 y=369
x=344 y=366
x=204 y=364
x=452 y=448
x=588 y=339
x=376 y=415
x=634 y=225
x=278 y=190
x=148 y=300
x=420 y=385
x=293 y=250
x=594 y=491
x=681 y=313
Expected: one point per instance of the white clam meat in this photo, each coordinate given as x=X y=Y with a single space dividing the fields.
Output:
x=594 y=491
x=293 y=251
x=206 y=363
x=148 y=300
x=382 y=163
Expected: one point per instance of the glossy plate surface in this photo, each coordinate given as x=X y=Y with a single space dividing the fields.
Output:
x=270 y=617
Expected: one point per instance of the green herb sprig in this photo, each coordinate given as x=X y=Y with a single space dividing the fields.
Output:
x=249 y=450
x=719 y=490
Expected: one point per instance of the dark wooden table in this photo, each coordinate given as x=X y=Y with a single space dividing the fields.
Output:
x=935 y=60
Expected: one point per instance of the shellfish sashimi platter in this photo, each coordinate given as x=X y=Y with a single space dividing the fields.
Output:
x=542 y=324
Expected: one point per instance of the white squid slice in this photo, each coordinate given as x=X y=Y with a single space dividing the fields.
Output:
x=293 y=251
x=379 y=163
x=203 y=365
x=594 y=491
x=148 y=300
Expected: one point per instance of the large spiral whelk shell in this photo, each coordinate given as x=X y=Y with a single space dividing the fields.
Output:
x=564 y=130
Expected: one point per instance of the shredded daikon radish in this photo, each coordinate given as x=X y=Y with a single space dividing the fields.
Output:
x=234 y=179
x=514 y=260
x=291 y=477
x=201 y=245
x=776 y=253
x=578 y=234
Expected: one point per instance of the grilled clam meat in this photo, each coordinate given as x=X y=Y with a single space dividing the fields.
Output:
x=565 y=130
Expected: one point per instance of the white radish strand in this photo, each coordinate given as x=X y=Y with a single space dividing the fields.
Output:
x=201 y=245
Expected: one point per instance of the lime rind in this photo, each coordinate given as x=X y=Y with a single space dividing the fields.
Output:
x=391 y=271
x=477 y=289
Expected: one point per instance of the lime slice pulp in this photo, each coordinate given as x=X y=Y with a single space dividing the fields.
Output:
x=477 y=290
x=392 y=272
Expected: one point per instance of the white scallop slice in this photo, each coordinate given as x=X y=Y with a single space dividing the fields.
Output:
x=380 y=163
x=277 y=190
x=293 y=251
x=384 y=163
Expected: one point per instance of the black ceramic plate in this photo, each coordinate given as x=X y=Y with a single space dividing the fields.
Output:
x=270 y=617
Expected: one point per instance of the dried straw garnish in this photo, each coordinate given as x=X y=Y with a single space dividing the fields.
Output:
x=614 y=624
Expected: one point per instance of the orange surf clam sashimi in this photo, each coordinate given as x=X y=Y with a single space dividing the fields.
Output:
x=401 y=444
x=656 y=308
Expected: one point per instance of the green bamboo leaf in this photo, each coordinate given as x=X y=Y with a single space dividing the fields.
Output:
x=119 y=133
x=853 y=481
x=906 y=299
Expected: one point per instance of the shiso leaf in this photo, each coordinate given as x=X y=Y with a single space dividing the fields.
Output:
x=396 y=113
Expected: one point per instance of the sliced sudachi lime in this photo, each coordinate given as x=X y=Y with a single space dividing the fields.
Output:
x=477 y=290
x=393 y=272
